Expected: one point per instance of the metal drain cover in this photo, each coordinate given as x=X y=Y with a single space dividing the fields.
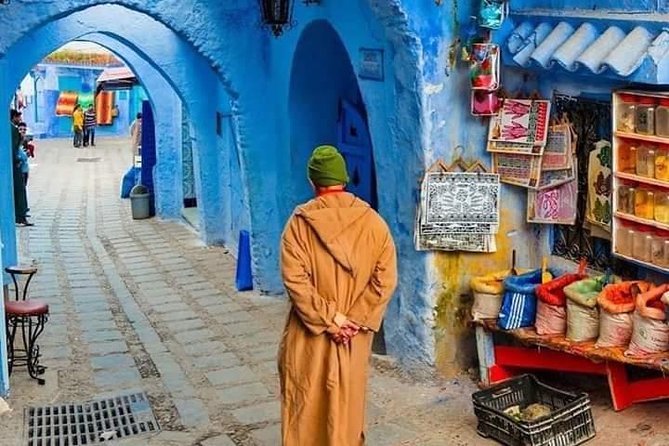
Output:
x=88 y=160
x=94 y=422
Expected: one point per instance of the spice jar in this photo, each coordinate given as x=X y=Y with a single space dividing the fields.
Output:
x=642 y=243
x=644 y=203
x=662 y=118
x=661 y=206
x=624 y=237
x=645 y=116
x=627 y=158
x=657 y=247
x=662 y=163
x=645 y=161
x=626 y=114
x=625 y=202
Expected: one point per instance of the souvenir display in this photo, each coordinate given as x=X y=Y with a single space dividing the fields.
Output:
x=521 y=121
x=485 y=103
x=517 y=169
x=553 y=206
x=559 y=147
x=492 y=13
x=458 y=211
x=598 y=208
x=484 y=66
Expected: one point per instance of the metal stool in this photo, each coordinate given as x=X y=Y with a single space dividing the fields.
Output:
x=21 y=270
x=31 y=316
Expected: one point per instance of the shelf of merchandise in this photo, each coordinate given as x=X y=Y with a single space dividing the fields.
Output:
x=623 y=177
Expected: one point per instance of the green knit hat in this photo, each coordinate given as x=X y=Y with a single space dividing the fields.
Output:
x=327 y=167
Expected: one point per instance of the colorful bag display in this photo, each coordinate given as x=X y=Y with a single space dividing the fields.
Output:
x=650 y=305
x=551 y=319
x=582 y=311
x=519 y=306
x=649 y=337
x=621 y=297
x=615 y=329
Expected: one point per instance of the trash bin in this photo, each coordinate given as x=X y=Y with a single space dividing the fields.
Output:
x=139 y=202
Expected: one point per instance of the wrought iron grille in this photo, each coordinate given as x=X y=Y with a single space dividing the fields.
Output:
x=592 y=122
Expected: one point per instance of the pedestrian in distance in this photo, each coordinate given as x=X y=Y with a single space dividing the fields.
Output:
x=90 y=121
x=78 y=126
x=136 y=135
x=19 y=186
x=339 y=267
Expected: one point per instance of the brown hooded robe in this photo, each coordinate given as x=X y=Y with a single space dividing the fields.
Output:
x=337 y=257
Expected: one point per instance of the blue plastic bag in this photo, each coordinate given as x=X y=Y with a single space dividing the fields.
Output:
x=519 y=305
x=130 y=180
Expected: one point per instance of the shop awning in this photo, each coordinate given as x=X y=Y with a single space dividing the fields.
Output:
x=637 y=54
x=116 y=78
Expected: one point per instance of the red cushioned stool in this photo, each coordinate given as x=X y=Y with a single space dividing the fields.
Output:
x=30 y=316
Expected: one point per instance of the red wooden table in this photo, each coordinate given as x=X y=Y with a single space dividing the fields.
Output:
x=555 y=353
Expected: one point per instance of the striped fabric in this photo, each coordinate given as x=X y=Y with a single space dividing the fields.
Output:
x=103 y=107
x=66 y=102
x=89 y=118
x=518 y=310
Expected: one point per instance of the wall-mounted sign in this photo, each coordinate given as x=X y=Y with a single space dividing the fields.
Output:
x=371 y=64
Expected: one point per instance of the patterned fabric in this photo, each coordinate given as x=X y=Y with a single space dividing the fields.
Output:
x=598 y=209
x=66 y=102
x=89 y=118
x=104 y=106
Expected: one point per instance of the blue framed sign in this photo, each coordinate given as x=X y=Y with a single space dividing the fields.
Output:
x=371 y=64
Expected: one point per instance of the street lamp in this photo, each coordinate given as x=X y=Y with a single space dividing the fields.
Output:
x=277 y=14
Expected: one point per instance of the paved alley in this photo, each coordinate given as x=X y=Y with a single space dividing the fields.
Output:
x=144 y=306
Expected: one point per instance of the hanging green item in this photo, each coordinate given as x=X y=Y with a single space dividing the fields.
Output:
x=492 y=13
x=86 y=100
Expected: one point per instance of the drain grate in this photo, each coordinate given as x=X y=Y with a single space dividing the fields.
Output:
x=88 y=160
x=94 y=422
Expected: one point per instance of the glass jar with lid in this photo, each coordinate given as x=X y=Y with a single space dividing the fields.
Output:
x=644 y=203
x=625 y=198
x=657 y=247
x=624 y=237
x=662 y=163
x=627 y=157
x=661 y=206
x=645 y=161
x=626 y=113
x=645 y=115
x=662 y=118
x=642 y=243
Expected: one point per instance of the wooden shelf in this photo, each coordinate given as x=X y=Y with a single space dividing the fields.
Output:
x=638 y=262
x=647 y=138
x=642 y=180
x=643 y=221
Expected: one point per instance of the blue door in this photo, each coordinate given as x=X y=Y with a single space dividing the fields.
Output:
x=355 y=144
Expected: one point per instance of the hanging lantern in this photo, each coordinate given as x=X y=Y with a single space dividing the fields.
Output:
x=277 y=14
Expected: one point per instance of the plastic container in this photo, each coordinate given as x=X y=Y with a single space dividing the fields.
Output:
x=662 y=118
x=645 y=161
x=570 y=422
x=642 y=244
x=644 y=203
x=645 y=116
x=626 y=114
x=662 y=163
x=657 y=247
x=625 y=202
x=661 y=206
x=624 y=236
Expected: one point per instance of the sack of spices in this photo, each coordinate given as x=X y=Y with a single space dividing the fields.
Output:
x=582 y=311
x=488 y=291
x=551 y=300
x=519 y=305
x=650 y=334
x=617 y=303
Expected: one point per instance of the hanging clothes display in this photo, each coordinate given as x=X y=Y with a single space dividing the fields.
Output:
x=598 y=212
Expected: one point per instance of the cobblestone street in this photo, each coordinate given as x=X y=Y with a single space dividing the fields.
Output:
x=145 y=306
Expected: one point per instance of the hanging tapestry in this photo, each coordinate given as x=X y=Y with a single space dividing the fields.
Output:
x=514 y=147
x=557 y=154
x=598 y=205
x=66 y=102
x=517 y=169
x=458 y=211
x=557 y=205
x=104 y=105
x=521 y=121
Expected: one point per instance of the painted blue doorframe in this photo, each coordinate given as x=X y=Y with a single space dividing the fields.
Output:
x=148 y=151
x=355 y=144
